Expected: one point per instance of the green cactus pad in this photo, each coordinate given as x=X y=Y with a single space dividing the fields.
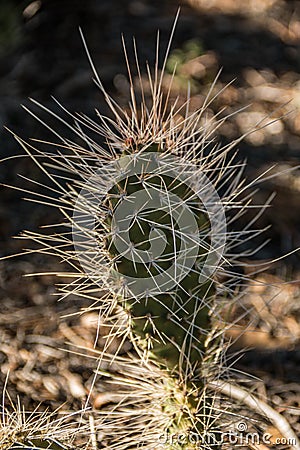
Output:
x=173 y=325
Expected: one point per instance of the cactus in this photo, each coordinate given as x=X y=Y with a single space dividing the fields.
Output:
x=149 y=227
x=148 y=223
x=161 y=319
x=35 y=430
x=169 y=236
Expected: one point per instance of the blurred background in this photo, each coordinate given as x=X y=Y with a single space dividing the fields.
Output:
x=256 y=44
